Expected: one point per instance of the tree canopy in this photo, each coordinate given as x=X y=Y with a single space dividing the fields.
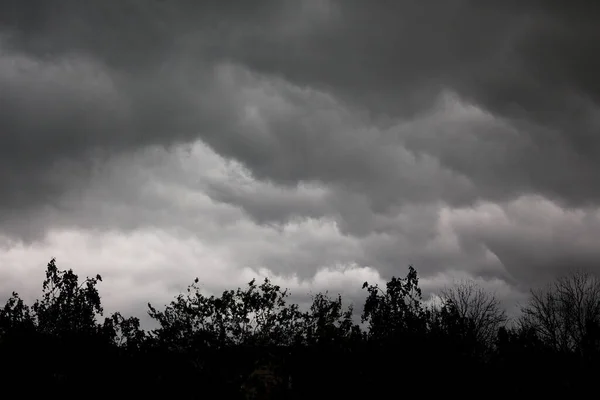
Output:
x=253 y=343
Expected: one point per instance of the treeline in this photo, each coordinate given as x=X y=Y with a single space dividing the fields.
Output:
x=253 y=343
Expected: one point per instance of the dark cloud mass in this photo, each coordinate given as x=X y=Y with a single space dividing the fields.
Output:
x=532 y=66
x=132 y=73
x=420 y=128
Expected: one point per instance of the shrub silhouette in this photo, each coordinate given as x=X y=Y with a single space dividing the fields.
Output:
x=253 y=343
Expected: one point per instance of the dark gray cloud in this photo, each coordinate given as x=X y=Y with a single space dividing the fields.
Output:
x=533 y=238
x=83 y=80
x=531 y=64
x=78 y=76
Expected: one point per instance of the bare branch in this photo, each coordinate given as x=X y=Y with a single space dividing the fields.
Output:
x=563 y=312
x=480 y=308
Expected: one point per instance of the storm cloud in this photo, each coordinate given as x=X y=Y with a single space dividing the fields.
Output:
x=300 y=139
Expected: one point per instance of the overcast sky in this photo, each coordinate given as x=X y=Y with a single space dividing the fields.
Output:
x=319 y=142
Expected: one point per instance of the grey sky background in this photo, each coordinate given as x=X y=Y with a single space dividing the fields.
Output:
x=319 y=142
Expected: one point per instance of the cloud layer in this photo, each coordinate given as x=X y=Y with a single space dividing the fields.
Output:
x=323 y=142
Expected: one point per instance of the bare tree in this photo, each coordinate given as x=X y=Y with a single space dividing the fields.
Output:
x=566 y=313
x=481 y=309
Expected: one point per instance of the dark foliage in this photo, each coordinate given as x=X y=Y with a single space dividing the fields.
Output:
x=252 y=343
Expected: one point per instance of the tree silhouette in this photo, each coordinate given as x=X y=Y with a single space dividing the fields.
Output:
x=328 y=323
x=15 y=317
x=472 y=314
x=67 y=306
x=258 y=315
x=396 y=311
x=253 y=343
x=566 y=313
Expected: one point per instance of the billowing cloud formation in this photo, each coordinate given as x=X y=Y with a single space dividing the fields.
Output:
x=290 y=137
